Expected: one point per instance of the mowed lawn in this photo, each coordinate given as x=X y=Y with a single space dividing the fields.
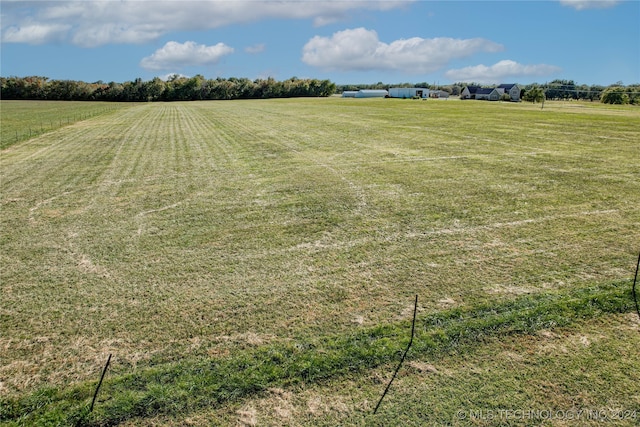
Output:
x=24 y=120
x=172 y=234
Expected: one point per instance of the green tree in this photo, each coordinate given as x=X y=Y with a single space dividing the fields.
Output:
x=535 y=94
x=153 y=89
x=634 y=94
x=615 y=95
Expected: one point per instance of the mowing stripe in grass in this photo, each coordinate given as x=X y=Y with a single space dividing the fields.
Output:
x=188 y=385
x=23 y=120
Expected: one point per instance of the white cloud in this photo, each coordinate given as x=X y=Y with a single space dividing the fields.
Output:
x=35 y=33
x=176 y=55
x=589 y=4
x=499 y=72
x=360 y=49
x=98 y=22
x=257 y=48
x=171 y=76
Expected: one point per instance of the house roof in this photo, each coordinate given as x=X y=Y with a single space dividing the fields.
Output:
x=507 y=86
x=484 y=90
x=473 y=89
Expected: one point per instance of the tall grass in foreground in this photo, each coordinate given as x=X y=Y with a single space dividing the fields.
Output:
x=186 y=386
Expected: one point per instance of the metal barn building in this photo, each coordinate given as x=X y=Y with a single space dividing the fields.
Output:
x=349 y=93
x=408 y=92
x=372 y=93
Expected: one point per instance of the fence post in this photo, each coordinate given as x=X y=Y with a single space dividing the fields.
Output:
x=95 y=395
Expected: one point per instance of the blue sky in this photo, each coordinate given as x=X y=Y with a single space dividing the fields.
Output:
x=589 y=41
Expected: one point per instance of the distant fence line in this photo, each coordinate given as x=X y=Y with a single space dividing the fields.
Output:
x=42 y=126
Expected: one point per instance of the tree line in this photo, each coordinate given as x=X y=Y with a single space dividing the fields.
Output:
x=175 y=88
x=180 y=88
x=616 y=93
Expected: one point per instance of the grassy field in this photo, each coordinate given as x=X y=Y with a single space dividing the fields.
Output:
x=24 y=120
x=256 y=262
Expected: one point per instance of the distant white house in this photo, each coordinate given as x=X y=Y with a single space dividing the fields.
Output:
x=513 y=90
x=371 y=93
x=488 y=93
x=408 y=92
x=442 y=94
x=491 y=93
x=469 y=92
